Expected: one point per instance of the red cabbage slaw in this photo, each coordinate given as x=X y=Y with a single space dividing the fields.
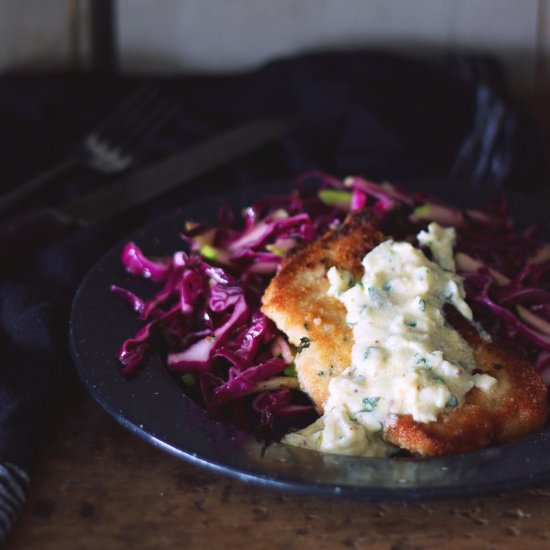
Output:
x=205 y=317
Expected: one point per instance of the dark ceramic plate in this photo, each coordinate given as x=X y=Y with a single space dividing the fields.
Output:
x=151 y=405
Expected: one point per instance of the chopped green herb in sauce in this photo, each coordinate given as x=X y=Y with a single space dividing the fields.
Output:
x=374 y=295
x=369 y=404
x=304 y=343
x=452 y=403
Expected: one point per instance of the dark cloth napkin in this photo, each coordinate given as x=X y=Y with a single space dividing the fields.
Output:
x=374 y=114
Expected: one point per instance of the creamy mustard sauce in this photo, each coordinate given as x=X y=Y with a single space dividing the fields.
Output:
x=406 y=360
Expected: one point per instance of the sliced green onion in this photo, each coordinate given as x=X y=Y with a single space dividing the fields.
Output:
x=338 y=199
x=188 y=379
x=534 y=320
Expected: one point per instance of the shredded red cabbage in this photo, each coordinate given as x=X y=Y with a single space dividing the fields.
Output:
x=205 y=317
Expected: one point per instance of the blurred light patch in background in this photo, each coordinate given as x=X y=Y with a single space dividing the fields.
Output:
x=207 y=36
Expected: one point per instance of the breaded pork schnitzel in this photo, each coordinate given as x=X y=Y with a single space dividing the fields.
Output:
x=298 y=302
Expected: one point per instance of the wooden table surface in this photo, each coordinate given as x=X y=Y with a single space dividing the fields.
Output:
x=99 y=486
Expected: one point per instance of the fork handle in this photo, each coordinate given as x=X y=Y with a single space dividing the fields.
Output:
x=20 y=193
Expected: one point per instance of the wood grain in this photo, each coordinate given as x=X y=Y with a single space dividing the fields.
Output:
x=99 y=486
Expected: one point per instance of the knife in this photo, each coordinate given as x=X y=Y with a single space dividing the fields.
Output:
x=42 y=226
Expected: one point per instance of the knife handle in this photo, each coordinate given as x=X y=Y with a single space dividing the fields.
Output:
x=31 y=231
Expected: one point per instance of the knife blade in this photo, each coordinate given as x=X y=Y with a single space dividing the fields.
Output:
x=42 y=226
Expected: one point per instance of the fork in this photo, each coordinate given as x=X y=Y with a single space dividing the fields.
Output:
x=111 y=147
